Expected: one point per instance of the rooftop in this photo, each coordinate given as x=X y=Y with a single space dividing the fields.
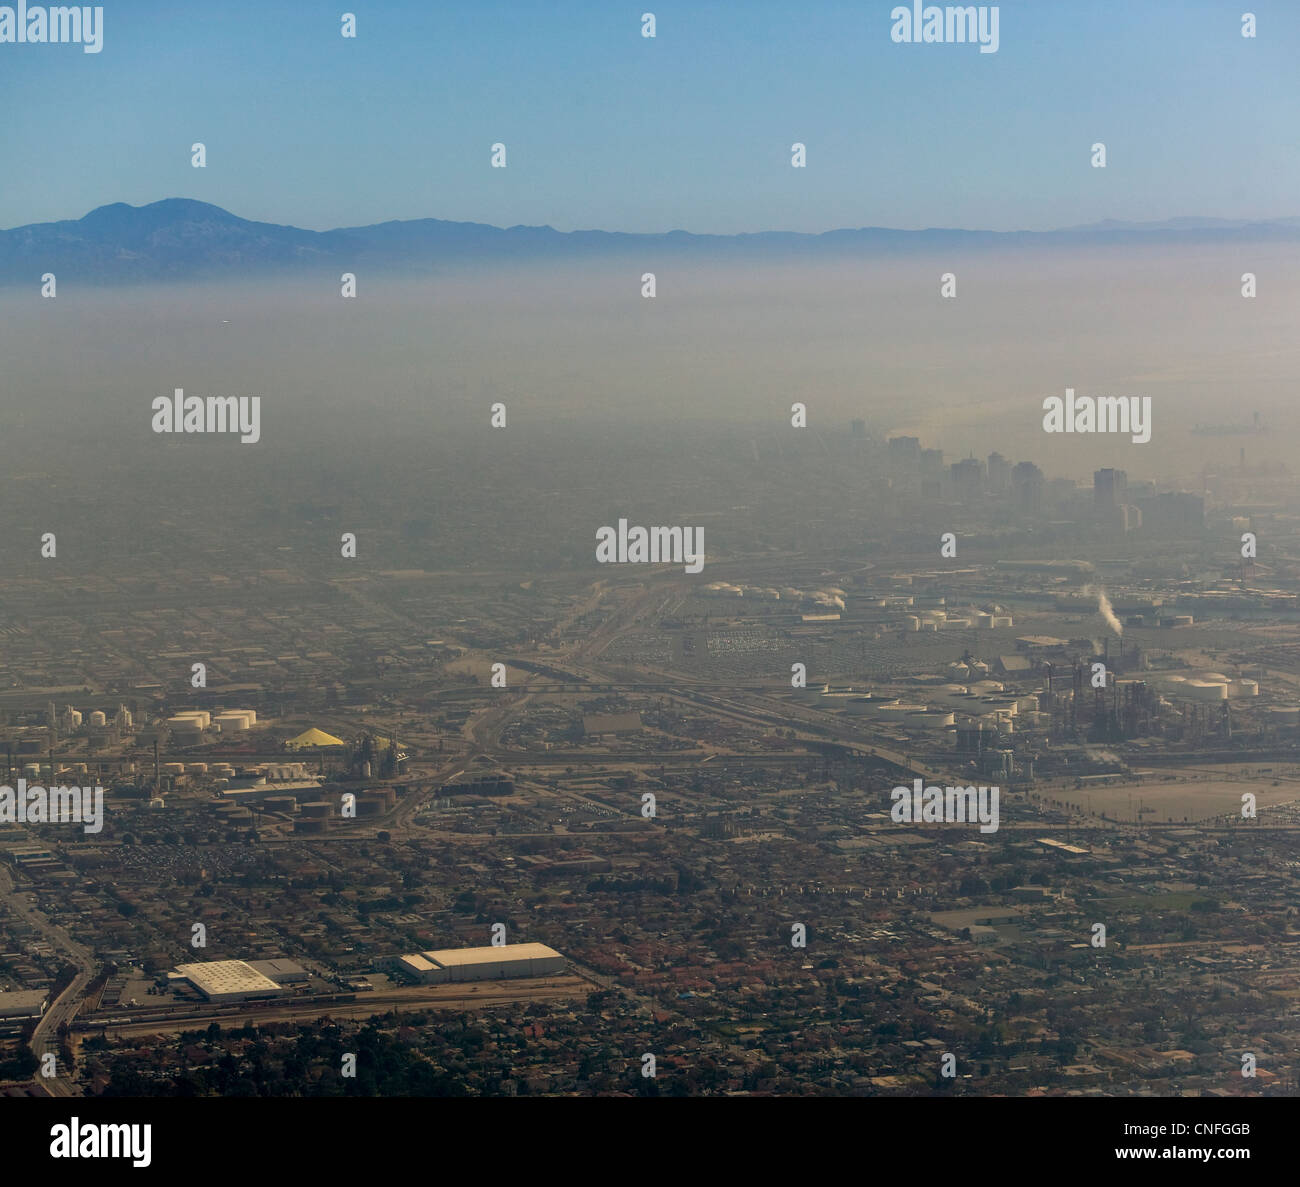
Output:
x=457 y=956
x=225 y=976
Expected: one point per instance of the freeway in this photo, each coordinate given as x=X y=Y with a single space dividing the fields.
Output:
x=45 y=1039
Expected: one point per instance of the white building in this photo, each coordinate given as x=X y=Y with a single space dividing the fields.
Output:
x=229 y=981
x=482 y=964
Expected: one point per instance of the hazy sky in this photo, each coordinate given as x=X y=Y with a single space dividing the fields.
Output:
x=692 y=129
x=416 y=359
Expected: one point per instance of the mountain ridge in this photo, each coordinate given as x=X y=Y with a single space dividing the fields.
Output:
x=187 y=239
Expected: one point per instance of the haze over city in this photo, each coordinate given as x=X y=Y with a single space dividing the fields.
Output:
x=730 y=551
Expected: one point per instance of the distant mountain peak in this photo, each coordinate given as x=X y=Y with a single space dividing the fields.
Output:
x=186 y=239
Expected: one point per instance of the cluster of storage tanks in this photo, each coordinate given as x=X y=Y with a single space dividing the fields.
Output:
x=831 y=598
x=218 y=770
x=984 y=700
x=938 y=620
x=231 y=721
x=34 y=771
x=71 y=719
x=1201 y=686
x=314 y=815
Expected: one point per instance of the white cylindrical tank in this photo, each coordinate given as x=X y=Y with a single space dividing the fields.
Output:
x=200 y=717
x=898 y=710
x=97 y=717
x=911 y=622
x=933 y=719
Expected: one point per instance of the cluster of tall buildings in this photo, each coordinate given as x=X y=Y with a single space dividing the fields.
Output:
x=1117 y=504
x=1127 y=509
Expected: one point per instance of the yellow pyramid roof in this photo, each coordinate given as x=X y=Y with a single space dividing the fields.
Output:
x=314 y=737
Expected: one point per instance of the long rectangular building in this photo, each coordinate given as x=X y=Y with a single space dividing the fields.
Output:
x=23 y=1003
x=482 y=964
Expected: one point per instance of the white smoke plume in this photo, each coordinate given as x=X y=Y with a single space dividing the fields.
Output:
x=1104 y=608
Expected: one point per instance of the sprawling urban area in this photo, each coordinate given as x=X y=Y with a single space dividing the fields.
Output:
x=941 y=776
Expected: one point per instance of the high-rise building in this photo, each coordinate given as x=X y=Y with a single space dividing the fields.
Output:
x=968 y=479
x=904 y=449
x=999 y=474
x=1027 y=486
x=1109 y=489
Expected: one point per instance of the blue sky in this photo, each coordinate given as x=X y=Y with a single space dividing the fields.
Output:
x=693 y=129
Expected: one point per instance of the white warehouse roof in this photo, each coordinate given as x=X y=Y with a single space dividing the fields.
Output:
x=447 y=957
x=216 y=977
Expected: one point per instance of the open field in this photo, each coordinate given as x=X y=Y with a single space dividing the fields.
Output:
x=1192 y=793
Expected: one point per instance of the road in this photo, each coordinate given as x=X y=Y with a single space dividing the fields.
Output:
x=45 y=1039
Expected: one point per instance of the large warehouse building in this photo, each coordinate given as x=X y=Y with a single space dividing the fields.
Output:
x=481 y=964
x=229 y=981
x=22 y=1003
